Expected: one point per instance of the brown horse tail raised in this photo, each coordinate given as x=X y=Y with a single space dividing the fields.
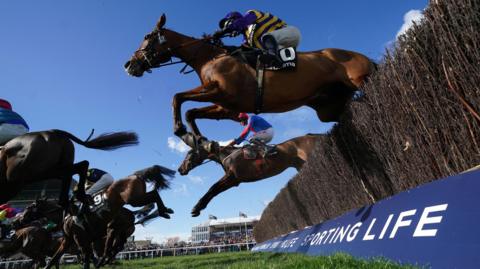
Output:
x=106 y=141
x=155 y=174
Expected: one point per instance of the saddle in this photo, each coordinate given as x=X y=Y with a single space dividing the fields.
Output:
x=255 y=151
x=287 y=57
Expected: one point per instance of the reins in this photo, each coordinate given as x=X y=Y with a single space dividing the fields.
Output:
x=170 y=51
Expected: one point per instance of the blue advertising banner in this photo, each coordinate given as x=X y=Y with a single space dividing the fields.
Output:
x=434 y=225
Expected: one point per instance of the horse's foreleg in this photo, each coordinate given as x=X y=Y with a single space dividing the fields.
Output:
x=203 y=93
x=108 y=247
x=225 y=183
x=58 y=254
x=215 y=112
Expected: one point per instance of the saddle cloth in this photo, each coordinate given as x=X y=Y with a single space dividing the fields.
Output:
x=252 y=152
x=287 y=57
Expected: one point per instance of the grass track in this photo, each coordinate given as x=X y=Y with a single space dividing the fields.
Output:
x=248 y=260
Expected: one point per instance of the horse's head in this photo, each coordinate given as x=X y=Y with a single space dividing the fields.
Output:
x=153 y=51
x=193 y=159
x=29 y=214
x=41 y=208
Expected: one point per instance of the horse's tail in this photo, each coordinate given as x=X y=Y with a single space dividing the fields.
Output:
x=155 y=174
x=106 y=141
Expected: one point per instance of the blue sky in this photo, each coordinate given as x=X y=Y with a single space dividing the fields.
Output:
x=62 y=67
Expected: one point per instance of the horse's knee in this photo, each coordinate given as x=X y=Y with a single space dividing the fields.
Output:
x=190 y=115
x=177 y=99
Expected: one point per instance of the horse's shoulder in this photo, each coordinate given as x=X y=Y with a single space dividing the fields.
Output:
x=223 y=65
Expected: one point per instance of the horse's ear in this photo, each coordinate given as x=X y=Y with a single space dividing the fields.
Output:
x=161 y=22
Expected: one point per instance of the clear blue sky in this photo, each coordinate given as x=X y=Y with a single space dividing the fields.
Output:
x=62 y=67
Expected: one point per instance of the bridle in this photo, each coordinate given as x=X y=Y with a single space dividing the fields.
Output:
x=149 y=53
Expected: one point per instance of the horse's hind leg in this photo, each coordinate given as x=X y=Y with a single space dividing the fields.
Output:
x=163 y=211
x=225 y=183
x=81 y=169
x=215 y=112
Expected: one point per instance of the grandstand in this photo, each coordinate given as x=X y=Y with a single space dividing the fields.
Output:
x=225 y=231
x=48 y=188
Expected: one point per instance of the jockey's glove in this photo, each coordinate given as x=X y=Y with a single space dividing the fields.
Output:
x=218 y=34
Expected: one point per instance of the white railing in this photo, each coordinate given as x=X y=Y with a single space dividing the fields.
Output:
x=150 y=253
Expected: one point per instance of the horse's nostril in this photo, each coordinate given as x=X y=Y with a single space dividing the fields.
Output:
x=127 y=64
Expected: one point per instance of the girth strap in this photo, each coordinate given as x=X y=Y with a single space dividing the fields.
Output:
x=259 y=93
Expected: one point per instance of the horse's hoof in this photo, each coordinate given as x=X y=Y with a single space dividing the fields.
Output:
x=195 y=213
x=164 y=215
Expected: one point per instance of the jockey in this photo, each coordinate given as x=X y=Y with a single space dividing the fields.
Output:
x=262 y=131
x=260 y=30
x=97 y=180
x=11 y=123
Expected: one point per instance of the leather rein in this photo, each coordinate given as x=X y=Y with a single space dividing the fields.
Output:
x=162 y=39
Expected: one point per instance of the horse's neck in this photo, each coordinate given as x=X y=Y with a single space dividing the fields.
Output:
x=196 y=53
x=223 y=153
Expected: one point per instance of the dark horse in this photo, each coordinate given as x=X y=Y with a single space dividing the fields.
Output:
x=33 y=241
x=323 y=80
x=42 y=211
x=49 y=154
x=130 y=190
x=238 y=169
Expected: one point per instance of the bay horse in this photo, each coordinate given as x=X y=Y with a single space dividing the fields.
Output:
x=324 y=80
x=238 y=169
x=33 y=241
x=42 y=211
x=49 y=154
x=131 y=190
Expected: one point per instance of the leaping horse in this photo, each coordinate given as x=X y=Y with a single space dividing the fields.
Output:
x=291 y=153
x=324 y=80
x=131 y=190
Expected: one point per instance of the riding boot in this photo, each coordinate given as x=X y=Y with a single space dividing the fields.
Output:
x=270 y=56
x=270 y=150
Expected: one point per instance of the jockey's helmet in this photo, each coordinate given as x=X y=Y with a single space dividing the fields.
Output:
x=243 y=116
x=229 y=17
x=5 y=104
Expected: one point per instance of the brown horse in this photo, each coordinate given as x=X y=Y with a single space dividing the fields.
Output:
x=323 y=80
x=33 y=241
x=238 y=169
x=42 y=211
x=130 y=190
x=118 y=230
x=49 y=154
